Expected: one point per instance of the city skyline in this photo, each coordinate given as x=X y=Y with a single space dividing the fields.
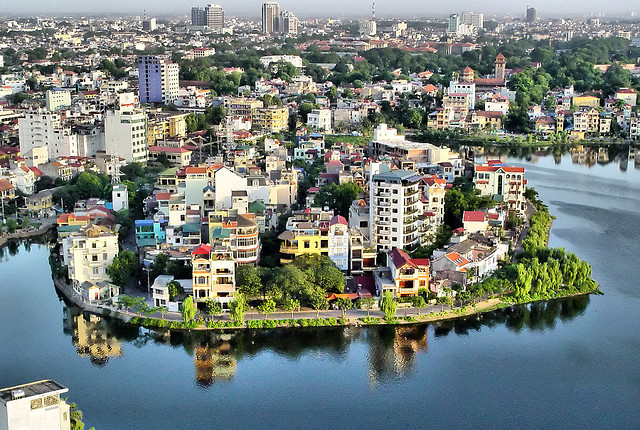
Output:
x=359 y=8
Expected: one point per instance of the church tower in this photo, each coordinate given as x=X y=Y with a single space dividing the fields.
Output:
x=501 y=64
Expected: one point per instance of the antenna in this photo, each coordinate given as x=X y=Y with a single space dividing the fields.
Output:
x=373 y=11
x=115 y=170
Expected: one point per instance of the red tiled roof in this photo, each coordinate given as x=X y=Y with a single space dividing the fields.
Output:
x=202 y=250
x=400 y=258
x=473 y=216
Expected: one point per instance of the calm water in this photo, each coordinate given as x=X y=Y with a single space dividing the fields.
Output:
x=569 y=363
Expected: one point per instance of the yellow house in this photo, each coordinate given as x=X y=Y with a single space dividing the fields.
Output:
x=303 y=241
x=586 y=101
x=162 y=125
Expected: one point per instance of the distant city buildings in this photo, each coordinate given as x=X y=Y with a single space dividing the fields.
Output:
x=288 y=23
x=211 y=16
x=149 y=24
x=532 y=14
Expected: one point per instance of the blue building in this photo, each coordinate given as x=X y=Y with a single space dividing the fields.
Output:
x=157 y=80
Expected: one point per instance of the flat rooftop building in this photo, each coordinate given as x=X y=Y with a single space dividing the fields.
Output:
x=34 y=406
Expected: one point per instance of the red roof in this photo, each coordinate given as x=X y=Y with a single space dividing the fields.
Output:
x=473 y=216
x=202 y=250
x=163 y=196
x=421 y=261
x=496 y=168
x=400 y=258
x=338 y=219
x=169 y=149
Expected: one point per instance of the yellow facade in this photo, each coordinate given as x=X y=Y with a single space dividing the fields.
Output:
x=272 y=119
x=587 y=101
x=298 y=244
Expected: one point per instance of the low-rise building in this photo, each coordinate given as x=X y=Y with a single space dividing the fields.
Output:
x=37 y=405
x=503 y=184
x=88 y=252
x=213 y=273
x=403 y=276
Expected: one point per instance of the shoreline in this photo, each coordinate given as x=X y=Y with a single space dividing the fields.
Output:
x=29 y=234
x=131 y=318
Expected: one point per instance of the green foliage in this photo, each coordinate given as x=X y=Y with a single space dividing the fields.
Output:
x=212 y=307
x=248 y=280
x=237 y=308
x=337 y=197
x=175 y=289
x=267 y=307
x=419 y=302
x=388 y=305
x=11 y=224
x=123 y=268
x=188 y=309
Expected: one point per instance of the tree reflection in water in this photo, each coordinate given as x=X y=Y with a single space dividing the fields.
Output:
x=392 y=349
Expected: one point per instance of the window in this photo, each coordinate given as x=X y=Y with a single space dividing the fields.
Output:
x=96 y=270
x=306 y=244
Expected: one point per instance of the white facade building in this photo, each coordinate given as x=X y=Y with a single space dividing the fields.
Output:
x=126 y=134
x=36 y=405
x=394 y=208
x=319 y=119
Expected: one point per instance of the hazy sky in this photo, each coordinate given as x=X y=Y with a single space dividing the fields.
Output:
x=305 y=8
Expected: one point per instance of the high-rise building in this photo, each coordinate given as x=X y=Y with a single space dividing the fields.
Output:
x=453 y=23
x=198 y=17
x=149 y=24
x=394 y=201
x=158 y=80
x=214 y=16
x=126 y=134
x=367 y=27
x=532 y=14
x=288 y=23
x=475 y=20
x=270 y=18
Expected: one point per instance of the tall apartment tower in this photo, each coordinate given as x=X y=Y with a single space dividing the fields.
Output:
x=475 y=20
x=288 y=23
x=394 y=202
x=214 y=16
x=501 y=65
x=453 y=23
x=198 y=17
x=270 y=18
x=158 y=80
x=532 y=14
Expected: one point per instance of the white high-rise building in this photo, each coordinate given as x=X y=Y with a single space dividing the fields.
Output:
x=158 y=80
x=367 y=27
x=476 y=20
x=288 y=23
x=453 y=23
x=56 y=99
x=214 y=16
x=270 y=18
x=394 y=208
x=126 y=134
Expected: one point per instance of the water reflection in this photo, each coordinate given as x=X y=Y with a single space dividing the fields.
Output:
x=589 y=156
x=392 y=350
x=91 y=335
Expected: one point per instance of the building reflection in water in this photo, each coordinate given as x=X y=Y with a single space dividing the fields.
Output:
x=91 y=335
x=214 y=361
x=393 y=350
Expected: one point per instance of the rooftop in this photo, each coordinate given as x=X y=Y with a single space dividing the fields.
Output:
x=33 y=389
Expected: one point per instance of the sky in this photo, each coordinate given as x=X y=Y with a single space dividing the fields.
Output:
x=327 y=8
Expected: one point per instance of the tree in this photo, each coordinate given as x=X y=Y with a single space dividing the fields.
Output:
x=175 y=289
x=318 y=301
x=12 y=225
x=237 y=308
x=344 y=304
x=248 y=280
x=388 y=305
x=291 y=305
x=212 y=307
x=267 y=307
x=162 y=310
x=337 y=197
x=367 y=303
x=75 y=417
x=123 y=268
x=420 y=303
x=188 y=309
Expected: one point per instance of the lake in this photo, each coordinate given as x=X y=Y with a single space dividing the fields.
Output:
x=565 y=363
